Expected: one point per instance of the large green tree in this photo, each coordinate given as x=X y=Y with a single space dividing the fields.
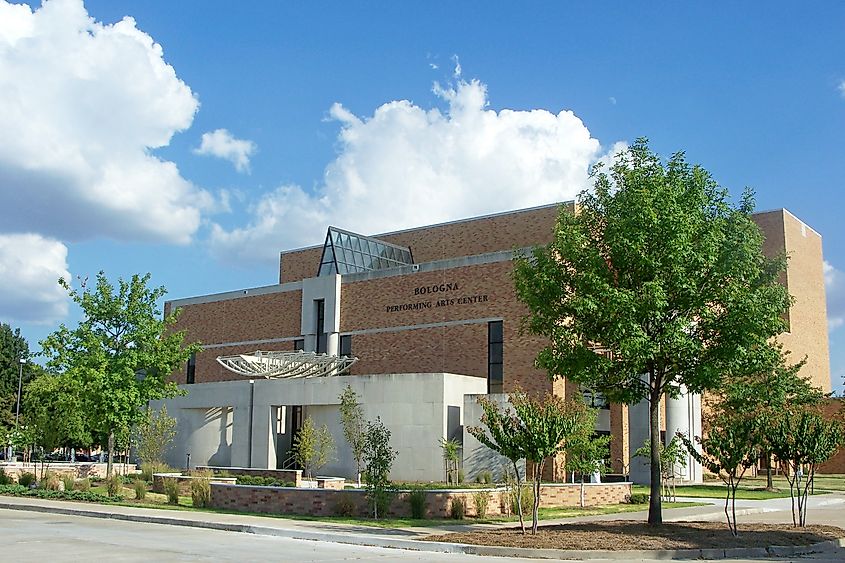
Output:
x=122 y=352
x=13 y=347
x=657 y=281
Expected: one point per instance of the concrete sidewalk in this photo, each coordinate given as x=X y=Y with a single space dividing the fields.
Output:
x=826 y=509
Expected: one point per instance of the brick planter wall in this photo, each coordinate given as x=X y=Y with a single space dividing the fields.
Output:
x=323 y=502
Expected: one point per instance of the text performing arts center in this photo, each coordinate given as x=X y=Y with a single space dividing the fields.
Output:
x=419 y=323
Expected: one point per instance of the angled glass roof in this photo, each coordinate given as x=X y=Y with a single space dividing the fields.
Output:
x=348 y=253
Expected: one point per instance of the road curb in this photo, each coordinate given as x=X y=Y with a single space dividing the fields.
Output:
x=442 y=547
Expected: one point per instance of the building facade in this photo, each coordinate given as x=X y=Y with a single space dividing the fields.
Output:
x=440 y=300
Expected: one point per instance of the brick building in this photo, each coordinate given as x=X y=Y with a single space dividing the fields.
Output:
x=439 y=300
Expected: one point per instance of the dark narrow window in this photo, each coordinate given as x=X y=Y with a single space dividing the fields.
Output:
x=346 y=349
x=299 y=344
x=495 y=351
x=322 y=339
x=190 y=376
x=346 y=345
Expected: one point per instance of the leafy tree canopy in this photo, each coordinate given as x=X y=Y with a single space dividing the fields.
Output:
x=121 y=352
x=657 y=281
x=13 y=347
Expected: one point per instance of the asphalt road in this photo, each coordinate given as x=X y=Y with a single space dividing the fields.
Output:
x=31 y=536
x=34 y=536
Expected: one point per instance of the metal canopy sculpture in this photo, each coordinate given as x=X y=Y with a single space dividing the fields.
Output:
x=286 y=365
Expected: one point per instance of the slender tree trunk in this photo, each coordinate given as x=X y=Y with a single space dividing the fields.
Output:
x=769 y=481
x=111 y=453
x=655 y=512
x=519 y=497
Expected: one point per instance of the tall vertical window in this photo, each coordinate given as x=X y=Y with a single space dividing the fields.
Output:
x=322 y=338
x=495 y=349
x=191 y=373
x=346 y=349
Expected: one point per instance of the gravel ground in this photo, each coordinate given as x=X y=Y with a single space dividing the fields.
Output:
x=617 y=535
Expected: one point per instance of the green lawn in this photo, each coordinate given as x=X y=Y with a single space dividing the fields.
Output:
x=753 y=492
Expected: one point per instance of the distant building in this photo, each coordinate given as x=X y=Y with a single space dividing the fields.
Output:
x=432 y=317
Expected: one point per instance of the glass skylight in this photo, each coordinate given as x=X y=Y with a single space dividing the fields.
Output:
x=348 y=253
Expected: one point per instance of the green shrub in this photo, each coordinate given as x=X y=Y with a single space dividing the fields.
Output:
x=460 y=475
x=171 y=489
x=26 y=479
x=417 y=498
x=344 y=505
x=83 y=485
x=68 y=482
x=140 y=487
x=258 y=481
x=200 y=492
x=484 y=478
x=482 y=501
x=114 y=485
x=5 y=479
x=527 y=499
x=457 y=510
x=87 y=496
x=639 y=498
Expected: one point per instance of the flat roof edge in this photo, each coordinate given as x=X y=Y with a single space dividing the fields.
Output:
x=443 y=224
x=236 y=294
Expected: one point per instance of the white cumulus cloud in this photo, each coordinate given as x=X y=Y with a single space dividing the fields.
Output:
x=222 y=144
x=407 y=166
x=30 y=268
x=834 y=286
x=82 y=104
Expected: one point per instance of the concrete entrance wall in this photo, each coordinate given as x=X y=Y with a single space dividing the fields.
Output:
x=236 y=423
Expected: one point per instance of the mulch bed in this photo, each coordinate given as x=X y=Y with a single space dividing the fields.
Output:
x=618 y=535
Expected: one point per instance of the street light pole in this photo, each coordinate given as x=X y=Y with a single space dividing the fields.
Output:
x=20 y=379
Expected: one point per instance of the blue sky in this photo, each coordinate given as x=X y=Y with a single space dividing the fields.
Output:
x=376 y=116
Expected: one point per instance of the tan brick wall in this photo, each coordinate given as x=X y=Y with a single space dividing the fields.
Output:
x=834 y=408
x=455 y=348
x=322 y=502
x=453 y=240
x=298 y=265
x=252 y=317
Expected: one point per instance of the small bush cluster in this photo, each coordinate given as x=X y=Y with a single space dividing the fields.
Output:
x=457 y=510
x=484 y=478
x=417 y=499
x=259 y=481
x=21 y=491
x=171 y=489
x=482 y=502
x=527 y=500
x=51 y=481
x=26 y=479
x=345 y=505
x=639 y=498
x=200 y=492
x=68 y=482
x=83 y=485
x=140 y=488
x=114 y=485
x=4 y=478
